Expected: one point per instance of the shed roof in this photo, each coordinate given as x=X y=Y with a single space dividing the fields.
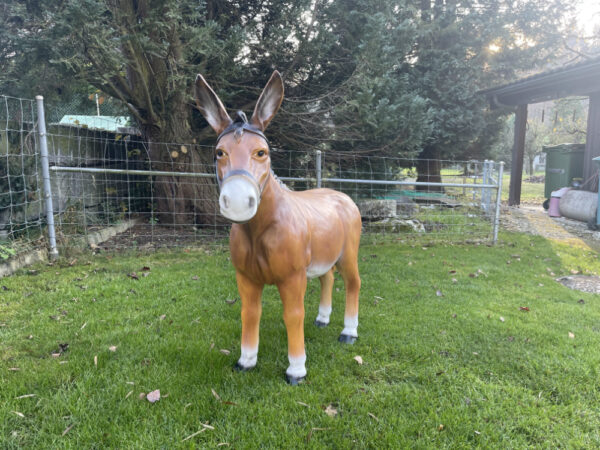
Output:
x=582 y=78
x=112 y=124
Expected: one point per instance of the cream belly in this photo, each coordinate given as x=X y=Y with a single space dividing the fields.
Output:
x=315 y=270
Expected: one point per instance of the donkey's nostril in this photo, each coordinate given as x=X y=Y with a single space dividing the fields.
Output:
x=226 y=201
x=251 y=202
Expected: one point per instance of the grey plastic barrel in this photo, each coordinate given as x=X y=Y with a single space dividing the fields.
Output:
x=579 y=205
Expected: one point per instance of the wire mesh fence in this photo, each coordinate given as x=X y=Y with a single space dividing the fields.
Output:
x=111 y=190
x=21 y=202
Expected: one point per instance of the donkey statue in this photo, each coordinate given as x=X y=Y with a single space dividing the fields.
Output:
x=279 y=236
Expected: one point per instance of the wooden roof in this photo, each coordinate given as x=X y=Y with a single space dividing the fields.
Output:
x=576 y=79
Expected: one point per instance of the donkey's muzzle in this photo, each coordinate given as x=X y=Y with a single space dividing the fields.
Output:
x=240 y=196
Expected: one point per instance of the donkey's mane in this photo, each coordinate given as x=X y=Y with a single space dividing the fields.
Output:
x=281 y=183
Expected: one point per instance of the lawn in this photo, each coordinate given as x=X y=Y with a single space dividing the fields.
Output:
x=531 y=193
x=450 y=359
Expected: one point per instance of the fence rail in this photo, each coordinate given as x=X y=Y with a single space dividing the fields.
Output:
x=106 y=187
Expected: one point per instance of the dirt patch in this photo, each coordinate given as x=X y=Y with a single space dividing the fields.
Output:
x=149 y=236
x=535 y=179
x=583 y=283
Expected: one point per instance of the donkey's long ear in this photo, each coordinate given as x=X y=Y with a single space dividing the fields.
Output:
x=210 y=106
x=268 y=103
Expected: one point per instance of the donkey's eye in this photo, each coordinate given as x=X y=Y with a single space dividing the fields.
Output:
x=220 y=153
x=260 y=153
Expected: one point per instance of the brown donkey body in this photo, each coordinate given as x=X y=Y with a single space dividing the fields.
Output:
x=279 y=236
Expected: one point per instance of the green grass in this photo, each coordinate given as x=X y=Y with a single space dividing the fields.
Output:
x=531 y=193
x=440 y=371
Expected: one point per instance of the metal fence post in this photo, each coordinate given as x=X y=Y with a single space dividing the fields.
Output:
x=53 y=252
x=484 y=180
x=318 y=166
x=498 y=200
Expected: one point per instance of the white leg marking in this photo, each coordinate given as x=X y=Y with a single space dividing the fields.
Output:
x=324 y=313
x=350 y=326
x=297 y=368
x=248 y=358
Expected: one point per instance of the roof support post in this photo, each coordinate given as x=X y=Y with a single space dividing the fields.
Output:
x=518 y=151
x=592 y=142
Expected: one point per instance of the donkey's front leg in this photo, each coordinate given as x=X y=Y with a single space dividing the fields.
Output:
x=292 y=295
x=250 y=294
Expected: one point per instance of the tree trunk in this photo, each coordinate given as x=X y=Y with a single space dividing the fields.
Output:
x=429 y=169
x=182 y=200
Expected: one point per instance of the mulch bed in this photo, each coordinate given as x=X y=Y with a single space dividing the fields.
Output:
x=583 y=283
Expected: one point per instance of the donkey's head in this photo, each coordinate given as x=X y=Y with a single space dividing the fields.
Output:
x=242 y=150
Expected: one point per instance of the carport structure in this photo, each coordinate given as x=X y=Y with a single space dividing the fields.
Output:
x=581 y=79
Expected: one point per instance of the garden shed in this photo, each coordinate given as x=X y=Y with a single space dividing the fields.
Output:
x=580 y=79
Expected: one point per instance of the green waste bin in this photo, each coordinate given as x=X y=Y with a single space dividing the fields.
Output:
x=564 y=162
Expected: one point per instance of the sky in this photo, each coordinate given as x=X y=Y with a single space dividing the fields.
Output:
x=589 y=14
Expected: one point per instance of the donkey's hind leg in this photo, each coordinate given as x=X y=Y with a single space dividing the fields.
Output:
x=326 y=280
x=348 y=267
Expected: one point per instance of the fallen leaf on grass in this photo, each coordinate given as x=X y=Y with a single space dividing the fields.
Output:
x=162 y=317
x=68 y=429
x=441 y=427
x=133 y=275
x=358 y=359
x=571 y=335
x=225 y=351
x=231 y=302
x=301 y=403
x=25 y=396
x=96 y=360
x=501 y=319
x=581 y=301
x=145 y=269
x=20 y=414
x=215 y=395
x=113 y=348
x=331 y=411
x=83 y=326
x=221 y=444
x=153 y=396
x=128 y=394
x=439 y=293
x=194 y=434
x=373 y=416
x=142 y=395
x=14 y=369
x=195 y=278
x=524 y=308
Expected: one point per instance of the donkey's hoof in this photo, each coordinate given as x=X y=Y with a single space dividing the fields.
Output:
x=239 y=368
x=347 y=339
x=320 y=324
x=294 y=381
